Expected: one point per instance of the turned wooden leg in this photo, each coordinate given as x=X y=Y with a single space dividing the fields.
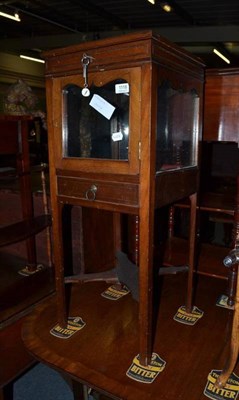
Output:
x=133 y=239
x=171 y=222
x=232 y=283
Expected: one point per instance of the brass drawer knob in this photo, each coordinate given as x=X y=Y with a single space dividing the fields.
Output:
x=90 y=194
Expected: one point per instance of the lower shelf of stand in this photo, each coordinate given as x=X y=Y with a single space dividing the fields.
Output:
x=18 y=293
x=209 y=260
x=24 y=229
x=214 y=202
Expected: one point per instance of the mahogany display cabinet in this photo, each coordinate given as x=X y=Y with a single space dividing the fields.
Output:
x=124 y=120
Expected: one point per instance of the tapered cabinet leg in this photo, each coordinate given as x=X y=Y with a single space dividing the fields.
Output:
x=145 y=288
x=59 y=266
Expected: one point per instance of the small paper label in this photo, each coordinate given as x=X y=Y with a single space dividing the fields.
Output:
x=121 y=88
x=146 y=374
x=115 y=292
x=188 y=318
x=102 y=106
x=117 y=136
x=229 y=391
x=222 y=302
x=74 y=324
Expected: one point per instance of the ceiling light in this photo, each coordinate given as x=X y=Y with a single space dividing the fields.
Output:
x=15 y=17
x=221 y=56
x=151 y=1
x=32 y=58
x=166 y=7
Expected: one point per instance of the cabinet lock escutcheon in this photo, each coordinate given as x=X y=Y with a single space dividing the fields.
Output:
x=90 y=194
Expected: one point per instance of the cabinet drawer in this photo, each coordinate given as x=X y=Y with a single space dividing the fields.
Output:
x=98 y=191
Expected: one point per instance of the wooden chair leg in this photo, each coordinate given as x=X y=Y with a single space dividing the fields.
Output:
x=192 y=244
x=31 y=254
x=234 y=345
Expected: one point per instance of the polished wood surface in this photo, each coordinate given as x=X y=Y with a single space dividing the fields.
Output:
x=22 y=230
x=101 y=353
x=65 y=60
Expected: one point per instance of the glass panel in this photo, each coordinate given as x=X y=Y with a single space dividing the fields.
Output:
x=96 y=126
x=177 y=128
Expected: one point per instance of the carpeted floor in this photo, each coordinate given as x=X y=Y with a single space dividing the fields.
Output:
x=42 y=383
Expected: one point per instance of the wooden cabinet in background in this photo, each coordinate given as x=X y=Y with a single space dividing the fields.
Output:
x=15 y=162
x=218 y=175
x=221 y=105
x=221 y=123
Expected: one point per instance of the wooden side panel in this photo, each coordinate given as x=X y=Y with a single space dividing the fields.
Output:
x=221 y=120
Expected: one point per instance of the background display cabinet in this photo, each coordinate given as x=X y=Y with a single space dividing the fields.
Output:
x=124 y=126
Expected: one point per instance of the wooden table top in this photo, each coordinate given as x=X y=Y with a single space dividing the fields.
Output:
x=101 y=353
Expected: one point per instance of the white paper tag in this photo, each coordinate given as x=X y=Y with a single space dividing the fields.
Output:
x=102 y=106
x=121 y=88
x=117 y=136
x=85 y=92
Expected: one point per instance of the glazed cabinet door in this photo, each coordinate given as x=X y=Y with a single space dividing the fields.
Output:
x=97 y=124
